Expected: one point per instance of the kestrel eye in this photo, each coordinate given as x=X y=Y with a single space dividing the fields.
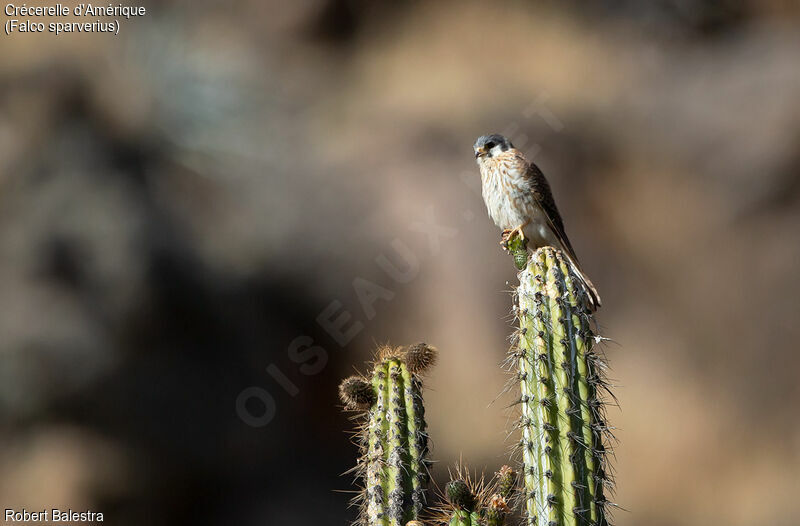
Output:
x=490 y=145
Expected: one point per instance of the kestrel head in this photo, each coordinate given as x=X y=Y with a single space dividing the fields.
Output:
x=491 y=145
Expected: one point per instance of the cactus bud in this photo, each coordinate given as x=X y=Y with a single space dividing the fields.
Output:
x=506 y=482
x=356 y=393
x=497 y=510
x=518 y=248
x=459 y=494
x=420 y=357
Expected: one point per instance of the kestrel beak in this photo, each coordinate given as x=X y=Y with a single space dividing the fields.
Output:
x=479 y=151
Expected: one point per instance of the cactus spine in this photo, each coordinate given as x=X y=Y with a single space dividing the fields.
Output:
x=562 y=424
x=393 y=438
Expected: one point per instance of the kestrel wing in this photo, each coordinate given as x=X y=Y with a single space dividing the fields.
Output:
x=544 y=198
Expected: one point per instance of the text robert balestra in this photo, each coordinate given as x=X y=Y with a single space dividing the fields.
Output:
x=52 y=515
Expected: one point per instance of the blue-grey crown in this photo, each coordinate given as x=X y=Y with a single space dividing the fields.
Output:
x=490 y=141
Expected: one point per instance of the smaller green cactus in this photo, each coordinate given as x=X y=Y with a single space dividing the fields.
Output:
x=462 y=498
x=472 y=503
x=392 y=437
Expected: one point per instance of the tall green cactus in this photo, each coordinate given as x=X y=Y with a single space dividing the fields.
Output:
x=559 y=374
x=392 y=437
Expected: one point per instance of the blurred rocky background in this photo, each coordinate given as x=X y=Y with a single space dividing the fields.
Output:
x=180 y=203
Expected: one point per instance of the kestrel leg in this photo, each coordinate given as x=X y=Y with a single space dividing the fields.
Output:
x=519 y=231
x=508 y=233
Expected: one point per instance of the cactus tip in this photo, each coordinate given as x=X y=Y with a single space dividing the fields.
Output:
x=506 y=481
x=356 y=393
x=518 y=248
x=420 y=357
x=387 y=352
x=459 y=494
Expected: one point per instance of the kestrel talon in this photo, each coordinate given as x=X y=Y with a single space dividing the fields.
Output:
x=519 y=201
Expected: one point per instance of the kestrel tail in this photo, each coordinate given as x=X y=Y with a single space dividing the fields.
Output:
x=519 y=200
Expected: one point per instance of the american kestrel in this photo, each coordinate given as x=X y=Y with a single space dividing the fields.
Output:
x=519 y=201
